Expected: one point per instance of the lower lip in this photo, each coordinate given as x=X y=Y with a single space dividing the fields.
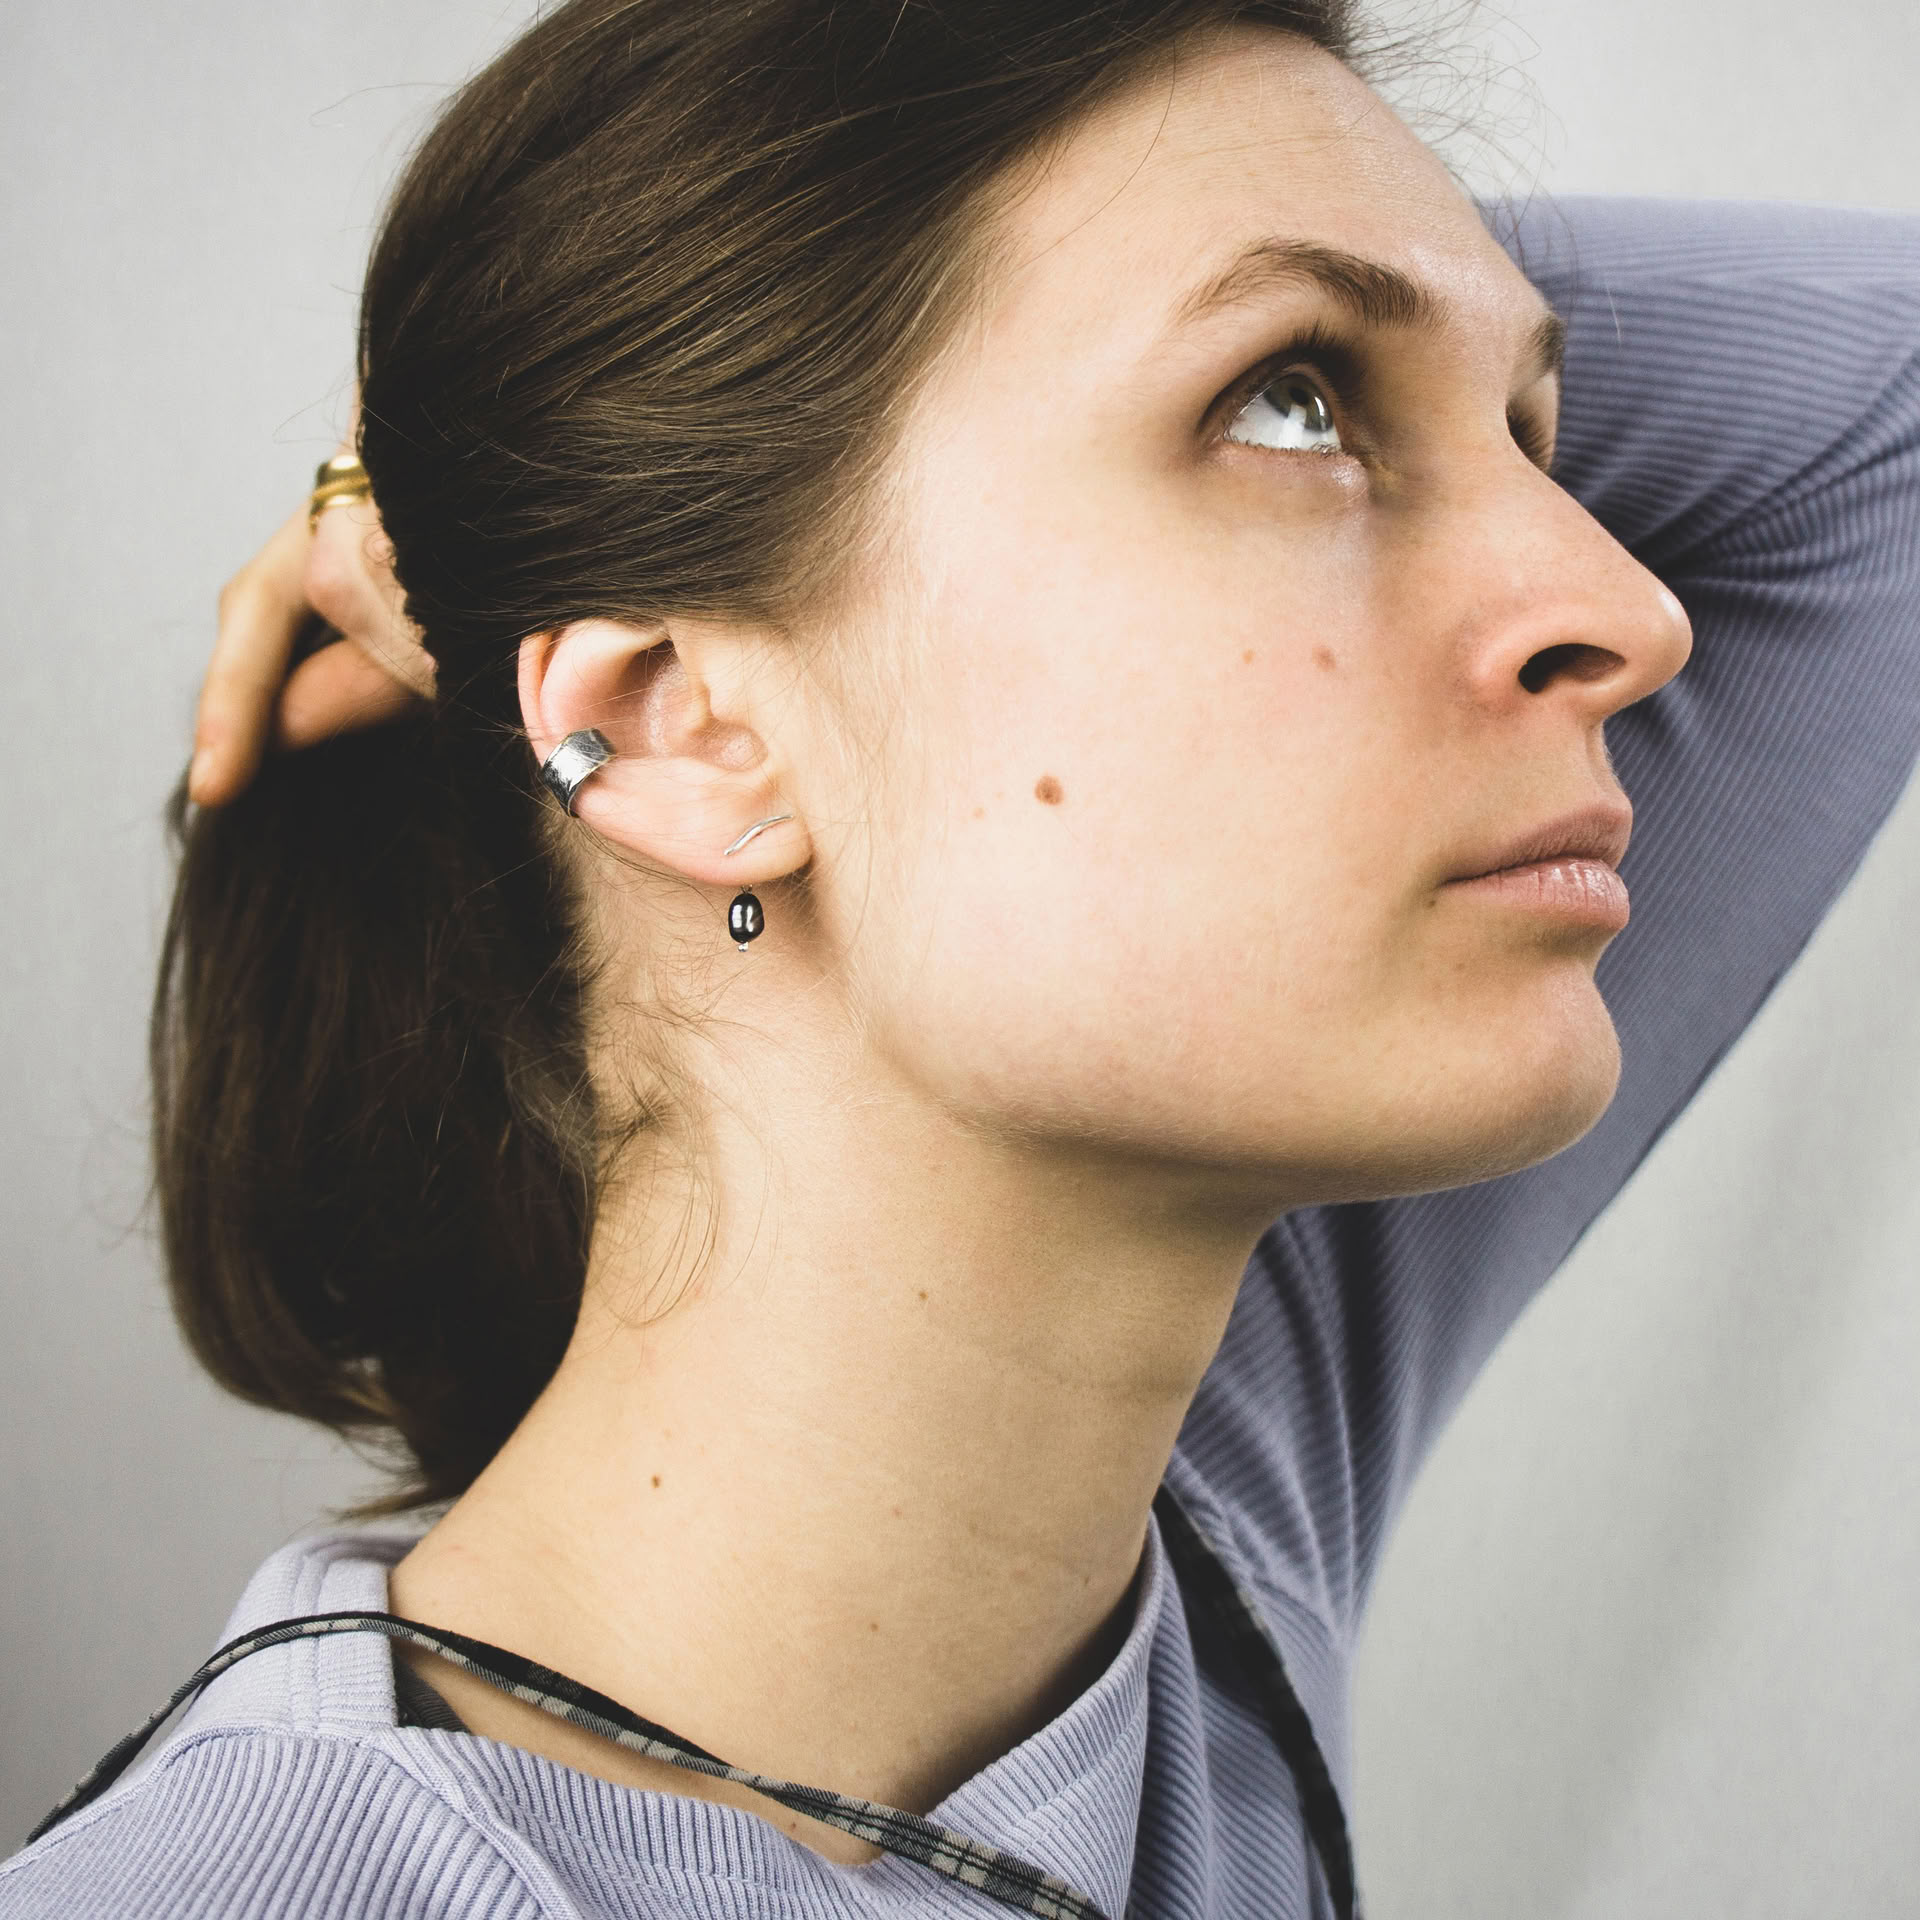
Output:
x=1586 y=892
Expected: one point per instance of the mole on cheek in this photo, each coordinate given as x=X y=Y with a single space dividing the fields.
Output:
x=1246 y=659
x=1048 y=789
x=1324 y=660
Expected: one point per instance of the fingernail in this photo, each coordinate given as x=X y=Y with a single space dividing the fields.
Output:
x=197 y=773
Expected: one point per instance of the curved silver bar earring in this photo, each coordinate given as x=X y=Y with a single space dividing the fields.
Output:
x=745 y=918
x=574 y=762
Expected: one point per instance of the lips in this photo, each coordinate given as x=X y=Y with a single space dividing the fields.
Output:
x=1564 y=870
x=1598 y=834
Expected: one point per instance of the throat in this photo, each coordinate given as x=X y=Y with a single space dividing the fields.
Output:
x=839 y=1527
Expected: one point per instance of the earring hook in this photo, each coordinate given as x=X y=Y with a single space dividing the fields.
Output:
x=759 y=826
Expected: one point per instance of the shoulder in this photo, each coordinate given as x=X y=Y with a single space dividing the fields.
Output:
x=238 y=1822
x=285 y=1787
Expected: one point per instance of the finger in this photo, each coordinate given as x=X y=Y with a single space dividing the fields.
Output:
x=334 y=691
x=261 y=609
x=349 y=579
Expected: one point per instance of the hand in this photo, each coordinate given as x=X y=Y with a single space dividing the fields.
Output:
x=340 y=572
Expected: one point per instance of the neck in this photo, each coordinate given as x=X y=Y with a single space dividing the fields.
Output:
x=862 y=1505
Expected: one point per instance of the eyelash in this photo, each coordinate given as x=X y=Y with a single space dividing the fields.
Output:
x=1528 y=437
x=1318 y=351
x=1324 y=354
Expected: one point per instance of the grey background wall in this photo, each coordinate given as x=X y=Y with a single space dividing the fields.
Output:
x=1647 y=1643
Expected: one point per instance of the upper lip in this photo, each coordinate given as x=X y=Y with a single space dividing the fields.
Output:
x=1599 y=832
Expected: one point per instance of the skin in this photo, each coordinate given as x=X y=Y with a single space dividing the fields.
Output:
x=1145 y=922
x=338 y=568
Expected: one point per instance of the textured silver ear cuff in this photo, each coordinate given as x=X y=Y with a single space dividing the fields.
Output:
x=574 y=762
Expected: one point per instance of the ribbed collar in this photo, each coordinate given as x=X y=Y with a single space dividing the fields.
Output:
x=1066 y=1799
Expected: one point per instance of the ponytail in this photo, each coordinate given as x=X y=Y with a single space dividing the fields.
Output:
x=371 y=1122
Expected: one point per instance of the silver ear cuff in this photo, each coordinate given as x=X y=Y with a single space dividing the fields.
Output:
x=574 y=762
x=581 y=755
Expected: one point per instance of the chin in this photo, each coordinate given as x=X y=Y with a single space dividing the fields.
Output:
x=1483 y=1109
x=1554 y=1122
x=1538 y=1102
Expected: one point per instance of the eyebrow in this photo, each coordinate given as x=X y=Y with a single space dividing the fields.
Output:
x=1375 y=294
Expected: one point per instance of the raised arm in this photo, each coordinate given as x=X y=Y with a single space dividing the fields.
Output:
x=1742 y=409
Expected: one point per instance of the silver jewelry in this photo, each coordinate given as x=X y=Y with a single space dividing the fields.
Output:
x=759 y=826
x=746 y=919
x=574 y=762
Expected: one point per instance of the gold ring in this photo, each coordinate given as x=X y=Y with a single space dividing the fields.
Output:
x=341 y=478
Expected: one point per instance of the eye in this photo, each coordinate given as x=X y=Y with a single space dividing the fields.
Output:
x=1533 y=437
x=1289 y=412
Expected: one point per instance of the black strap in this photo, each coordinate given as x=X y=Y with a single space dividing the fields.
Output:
x=1001 y=1876
x=1207 y=1576
x=418 y=1703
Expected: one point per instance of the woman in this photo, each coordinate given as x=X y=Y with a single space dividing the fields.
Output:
x=1051 y=506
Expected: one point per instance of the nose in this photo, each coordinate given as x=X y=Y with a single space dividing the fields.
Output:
x=1566 y=613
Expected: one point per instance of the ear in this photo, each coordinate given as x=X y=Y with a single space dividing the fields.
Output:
x=692 y=768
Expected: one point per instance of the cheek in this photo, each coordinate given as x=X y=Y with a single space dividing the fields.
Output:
x=1163 y=874
x=1144 y=883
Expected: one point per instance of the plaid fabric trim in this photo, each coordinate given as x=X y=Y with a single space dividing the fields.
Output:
x=1000 y=1876
x=1207 y=1576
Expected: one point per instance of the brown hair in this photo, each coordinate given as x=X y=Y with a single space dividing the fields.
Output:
x=640 y=314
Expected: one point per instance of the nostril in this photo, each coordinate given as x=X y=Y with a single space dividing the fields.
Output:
x=1571 y=660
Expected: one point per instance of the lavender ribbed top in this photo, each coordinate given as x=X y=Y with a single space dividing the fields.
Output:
x=1743 y=410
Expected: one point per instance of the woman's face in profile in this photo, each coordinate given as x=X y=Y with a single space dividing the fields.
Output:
x=1246 y=625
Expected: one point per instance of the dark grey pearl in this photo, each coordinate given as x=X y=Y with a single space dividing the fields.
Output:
x=745 y=920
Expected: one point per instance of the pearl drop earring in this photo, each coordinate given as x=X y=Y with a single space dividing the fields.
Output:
x=746 y=918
